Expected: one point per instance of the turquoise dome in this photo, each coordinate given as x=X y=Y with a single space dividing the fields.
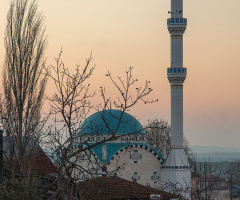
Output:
x=106 y=122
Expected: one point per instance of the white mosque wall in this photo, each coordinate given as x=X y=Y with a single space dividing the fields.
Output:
x=180 y=177
x=144 y=167
x=86 y=166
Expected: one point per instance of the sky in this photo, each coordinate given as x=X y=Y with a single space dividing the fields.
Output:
x=123 y=33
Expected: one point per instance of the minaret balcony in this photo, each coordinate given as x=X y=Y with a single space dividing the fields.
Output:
x=177 y=70
x=176 y=75
x=177 y=26
x=177 y=21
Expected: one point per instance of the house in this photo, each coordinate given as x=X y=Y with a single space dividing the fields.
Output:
x=104 y=188
x=33 y=161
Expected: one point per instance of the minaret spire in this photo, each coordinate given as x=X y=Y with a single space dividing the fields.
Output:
x=177 y=168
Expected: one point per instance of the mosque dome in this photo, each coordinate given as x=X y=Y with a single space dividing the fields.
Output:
x=106 y=122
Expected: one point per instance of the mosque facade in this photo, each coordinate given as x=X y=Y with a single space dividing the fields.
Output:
x=128 y=156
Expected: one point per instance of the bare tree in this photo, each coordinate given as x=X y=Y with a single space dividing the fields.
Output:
x=23 y=85
x=160 y=137
x=206 y=183
x=206 y=180
x=233 y=177
x=70 y=105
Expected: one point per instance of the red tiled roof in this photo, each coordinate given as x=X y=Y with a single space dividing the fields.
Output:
x=42 y=164
x=36 y=162
x=117 y=188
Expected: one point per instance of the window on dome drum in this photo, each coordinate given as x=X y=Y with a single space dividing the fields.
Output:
x=124 y=138
x=134 y=138
x=100 y=138
x=82 y=138
x=91 y=139
x=141 y=138
x=155 y=177
x=135 y=177
x=104 y=152
x=135 y=156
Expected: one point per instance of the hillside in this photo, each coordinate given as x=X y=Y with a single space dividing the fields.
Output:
x=214 y=153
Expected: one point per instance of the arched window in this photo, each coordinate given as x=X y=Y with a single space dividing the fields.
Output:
x=135 y=156
x=155 y=177
x=135 y=177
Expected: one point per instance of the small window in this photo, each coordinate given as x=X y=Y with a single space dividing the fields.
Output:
x=135 y=177
x=155 y=177
x=99 y=138
x=90 y=139
x=134 y=138
x=135 y=156
x=124 y=138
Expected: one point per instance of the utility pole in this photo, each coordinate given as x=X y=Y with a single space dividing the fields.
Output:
x=1 y=152
x=231 y=187
x=205 y=180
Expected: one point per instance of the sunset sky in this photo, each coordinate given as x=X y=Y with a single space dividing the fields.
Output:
x=123 y=33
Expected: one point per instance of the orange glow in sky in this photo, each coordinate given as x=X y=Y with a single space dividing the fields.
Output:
x=134 y=32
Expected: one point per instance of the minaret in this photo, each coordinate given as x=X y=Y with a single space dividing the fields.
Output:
x=177 y=168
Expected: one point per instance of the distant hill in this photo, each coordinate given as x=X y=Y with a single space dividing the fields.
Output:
x=214 y=149
x=217 y=157
x=214 y=153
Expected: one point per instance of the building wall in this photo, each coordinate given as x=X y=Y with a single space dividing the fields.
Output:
x=86 y=166
x=177 y=179
x=144 y=167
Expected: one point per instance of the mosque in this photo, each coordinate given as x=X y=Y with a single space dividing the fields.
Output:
x=128 y=156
